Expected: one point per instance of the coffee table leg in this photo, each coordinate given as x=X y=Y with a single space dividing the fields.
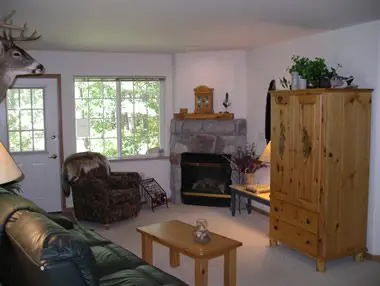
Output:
x=174 y=258
x=201 y=272
x=147 y=248
x=230 y=268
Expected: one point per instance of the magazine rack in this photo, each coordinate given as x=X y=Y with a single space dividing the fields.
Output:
x=153 y=193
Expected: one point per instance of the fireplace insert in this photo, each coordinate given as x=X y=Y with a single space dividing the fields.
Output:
x=205 y=179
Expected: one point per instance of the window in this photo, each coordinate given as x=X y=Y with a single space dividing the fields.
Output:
x=26 y=119
x=118 y=117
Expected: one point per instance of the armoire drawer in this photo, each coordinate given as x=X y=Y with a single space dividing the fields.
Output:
x=293 y=236
x=294 y=215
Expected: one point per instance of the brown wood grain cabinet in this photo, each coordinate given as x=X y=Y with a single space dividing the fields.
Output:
x=319 y=172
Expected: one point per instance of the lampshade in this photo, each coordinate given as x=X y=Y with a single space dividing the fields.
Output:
x=8 y=168
x=265 y=156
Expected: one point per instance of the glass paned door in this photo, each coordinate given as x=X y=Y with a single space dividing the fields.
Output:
x=29 y=127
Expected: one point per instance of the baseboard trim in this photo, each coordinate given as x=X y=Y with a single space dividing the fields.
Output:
x=372 y=257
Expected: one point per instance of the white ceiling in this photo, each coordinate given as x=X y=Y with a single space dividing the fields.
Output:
x=181 y=25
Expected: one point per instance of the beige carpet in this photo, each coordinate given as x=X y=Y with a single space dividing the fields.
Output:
x=256 y=263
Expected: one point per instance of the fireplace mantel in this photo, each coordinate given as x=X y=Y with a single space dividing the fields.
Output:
x=202 y=136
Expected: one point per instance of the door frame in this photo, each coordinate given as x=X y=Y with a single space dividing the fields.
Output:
x=57 y=77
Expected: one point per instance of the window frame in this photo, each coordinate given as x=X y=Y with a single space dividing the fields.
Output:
x=119 y=80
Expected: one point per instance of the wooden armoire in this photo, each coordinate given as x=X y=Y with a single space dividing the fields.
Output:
x=319 y=171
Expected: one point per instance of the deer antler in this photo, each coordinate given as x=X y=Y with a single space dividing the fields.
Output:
x=6 y=23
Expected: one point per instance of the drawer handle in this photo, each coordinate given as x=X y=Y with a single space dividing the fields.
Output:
x=307 y=221
x=307 y=242
x=275 y=227
x=276 y=209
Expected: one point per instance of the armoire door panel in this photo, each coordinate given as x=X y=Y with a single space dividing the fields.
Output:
x=307 y=116
x=346 y=170
x=282 y=143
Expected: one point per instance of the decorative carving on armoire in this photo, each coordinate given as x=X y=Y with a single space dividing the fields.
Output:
x=282 y=139
x=306 y=144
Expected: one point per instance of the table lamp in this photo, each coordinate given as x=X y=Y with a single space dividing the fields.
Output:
x=265 y=156
x=8 y=169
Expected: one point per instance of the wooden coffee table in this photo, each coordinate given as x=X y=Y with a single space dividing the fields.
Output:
x=178 y=236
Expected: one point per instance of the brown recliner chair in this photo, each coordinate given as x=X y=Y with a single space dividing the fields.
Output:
x=100 y=195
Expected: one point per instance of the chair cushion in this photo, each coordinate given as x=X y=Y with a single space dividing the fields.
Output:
x=119 y=196
x=112 y=258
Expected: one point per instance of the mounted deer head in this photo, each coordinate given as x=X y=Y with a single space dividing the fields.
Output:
x=14 y=60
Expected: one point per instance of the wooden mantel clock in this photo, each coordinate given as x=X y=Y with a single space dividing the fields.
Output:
x=204 y=107
x=204 y=99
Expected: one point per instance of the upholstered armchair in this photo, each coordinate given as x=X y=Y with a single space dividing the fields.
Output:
x=100 y=195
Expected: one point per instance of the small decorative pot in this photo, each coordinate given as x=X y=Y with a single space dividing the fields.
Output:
x=324 y=83
x=295 y=80
x=302 y=83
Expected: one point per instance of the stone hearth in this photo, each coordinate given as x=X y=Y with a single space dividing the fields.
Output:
x=202 y=136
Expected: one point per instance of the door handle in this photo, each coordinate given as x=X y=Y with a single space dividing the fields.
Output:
x=54 y=156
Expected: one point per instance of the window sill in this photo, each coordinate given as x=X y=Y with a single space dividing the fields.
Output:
x=139 y=158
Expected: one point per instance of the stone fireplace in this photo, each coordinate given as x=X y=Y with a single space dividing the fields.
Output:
x=202 y=136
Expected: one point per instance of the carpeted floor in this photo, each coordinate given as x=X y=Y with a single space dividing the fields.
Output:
x=257 y=264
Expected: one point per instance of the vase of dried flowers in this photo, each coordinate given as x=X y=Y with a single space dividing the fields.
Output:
x=249 y=178
x=246 y=162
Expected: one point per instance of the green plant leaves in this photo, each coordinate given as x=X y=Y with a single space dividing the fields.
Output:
x=313 y=70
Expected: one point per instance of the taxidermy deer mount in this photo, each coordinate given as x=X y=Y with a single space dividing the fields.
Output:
x=14 y=60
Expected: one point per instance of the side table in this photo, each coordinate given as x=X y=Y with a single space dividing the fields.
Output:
x=238 y=191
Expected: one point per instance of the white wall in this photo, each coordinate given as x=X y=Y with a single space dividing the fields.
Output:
x=374 y=198
x=225 y=71
x=70 y=64
x=357 y=49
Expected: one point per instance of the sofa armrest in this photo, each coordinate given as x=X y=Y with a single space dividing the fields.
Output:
x=9 y=204
x=44 y=249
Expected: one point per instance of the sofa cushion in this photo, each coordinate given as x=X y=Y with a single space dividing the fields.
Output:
x=90 y=237
x=61 y=220
x=111 y=258
x=129 y=277
x=133 y=277
x=158 y=275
